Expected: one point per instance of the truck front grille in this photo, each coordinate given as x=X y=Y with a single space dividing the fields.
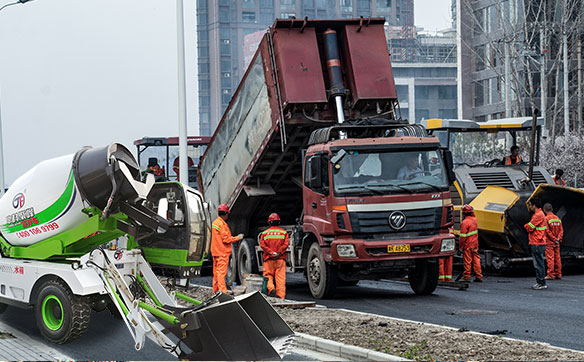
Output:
x=378 y=221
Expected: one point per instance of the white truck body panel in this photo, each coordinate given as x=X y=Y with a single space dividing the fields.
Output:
x=41 y=203
x=18 y=277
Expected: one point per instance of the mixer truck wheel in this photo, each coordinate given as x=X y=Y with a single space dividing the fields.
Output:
x=61 y=316
x=424 y=277
x=322 y=276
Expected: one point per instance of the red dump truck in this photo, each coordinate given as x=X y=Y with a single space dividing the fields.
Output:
x=314 y=133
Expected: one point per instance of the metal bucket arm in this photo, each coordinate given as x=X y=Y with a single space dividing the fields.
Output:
x=221 y=328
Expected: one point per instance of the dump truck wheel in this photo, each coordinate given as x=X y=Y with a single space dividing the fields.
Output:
x=232 y=276
x=247 y=261
x=322 y=277
x=424 y=277
x=61 y=316
x=348 y=283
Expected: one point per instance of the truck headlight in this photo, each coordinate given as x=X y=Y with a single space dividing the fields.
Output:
x=447 y=245
x=346 y=251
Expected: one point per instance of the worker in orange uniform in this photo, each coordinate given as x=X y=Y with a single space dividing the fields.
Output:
x=469 y=244
x=536 y=229
x=514 y=158
x=558 y=177
x=176 y=166
x=221 y=241
x=274 y=243
x=553 y=234
x=446 y=266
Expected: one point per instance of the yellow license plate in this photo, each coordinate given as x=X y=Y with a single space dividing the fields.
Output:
x=404 y=248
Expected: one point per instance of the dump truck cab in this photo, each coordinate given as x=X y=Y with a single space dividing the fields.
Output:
x=383 y=202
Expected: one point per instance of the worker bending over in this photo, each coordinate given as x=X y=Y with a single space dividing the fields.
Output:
x=274 y=243
x=469 y=245
x=554 y=234
x=536 y=228
x=221 y=241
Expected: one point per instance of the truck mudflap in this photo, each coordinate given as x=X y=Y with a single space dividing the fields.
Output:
x=228 y=328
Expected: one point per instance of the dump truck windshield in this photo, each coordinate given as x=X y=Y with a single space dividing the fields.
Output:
x=388 y=172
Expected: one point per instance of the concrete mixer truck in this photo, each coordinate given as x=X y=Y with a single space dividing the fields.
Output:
x=56 y=219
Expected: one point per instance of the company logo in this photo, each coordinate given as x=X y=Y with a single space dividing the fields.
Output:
x=18 y=200
x=397 y=220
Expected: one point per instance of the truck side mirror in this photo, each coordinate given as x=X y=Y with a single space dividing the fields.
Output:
x=447 y=155
x=315 y=165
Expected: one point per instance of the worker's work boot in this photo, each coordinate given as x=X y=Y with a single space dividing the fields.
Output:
x=272 y=293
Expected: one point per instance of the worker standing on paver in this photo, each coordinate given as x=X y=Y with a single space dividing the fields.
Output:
x=558 y=177
x=537 y=229
x=469 y=244
x=221 y=241
x=274 y=242
x=554 y=234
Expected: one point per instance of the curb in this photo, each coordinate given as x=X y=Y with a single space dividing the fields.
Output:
x=350 y=352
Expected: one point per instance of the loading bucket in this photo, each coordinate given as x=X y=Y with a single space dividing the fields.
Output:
x=568 y=205
x=227 y=328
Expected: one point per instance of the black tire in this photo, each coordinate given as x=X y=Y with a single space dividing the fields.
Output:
x=232 y=276
x=247 y=261
x=424 y=277
x=348 y=283
x=3 y=307
x=322 y=277
x=61 y=316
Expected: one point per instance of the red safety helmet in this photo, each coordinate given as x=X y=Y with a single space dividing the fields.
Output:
x=467 y=209
x=223 y=208
x=273 y=217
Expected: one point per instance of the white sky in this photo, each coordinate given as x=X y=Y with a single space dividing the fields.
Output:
x=432 y=15
x=91 y=72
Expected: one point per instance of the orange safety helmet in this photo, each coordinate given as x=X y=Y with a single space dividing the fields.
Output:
x=273 y=217
x=467 y=209
x=223 y=208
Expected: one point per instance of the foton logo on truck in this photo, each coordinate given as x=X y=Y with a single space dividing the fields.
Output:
x=18 y=200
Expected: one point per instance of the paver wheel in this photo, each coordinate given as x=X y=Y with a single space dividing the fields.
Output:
x=322 y=277
x=61 y=316
x=424 y=277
